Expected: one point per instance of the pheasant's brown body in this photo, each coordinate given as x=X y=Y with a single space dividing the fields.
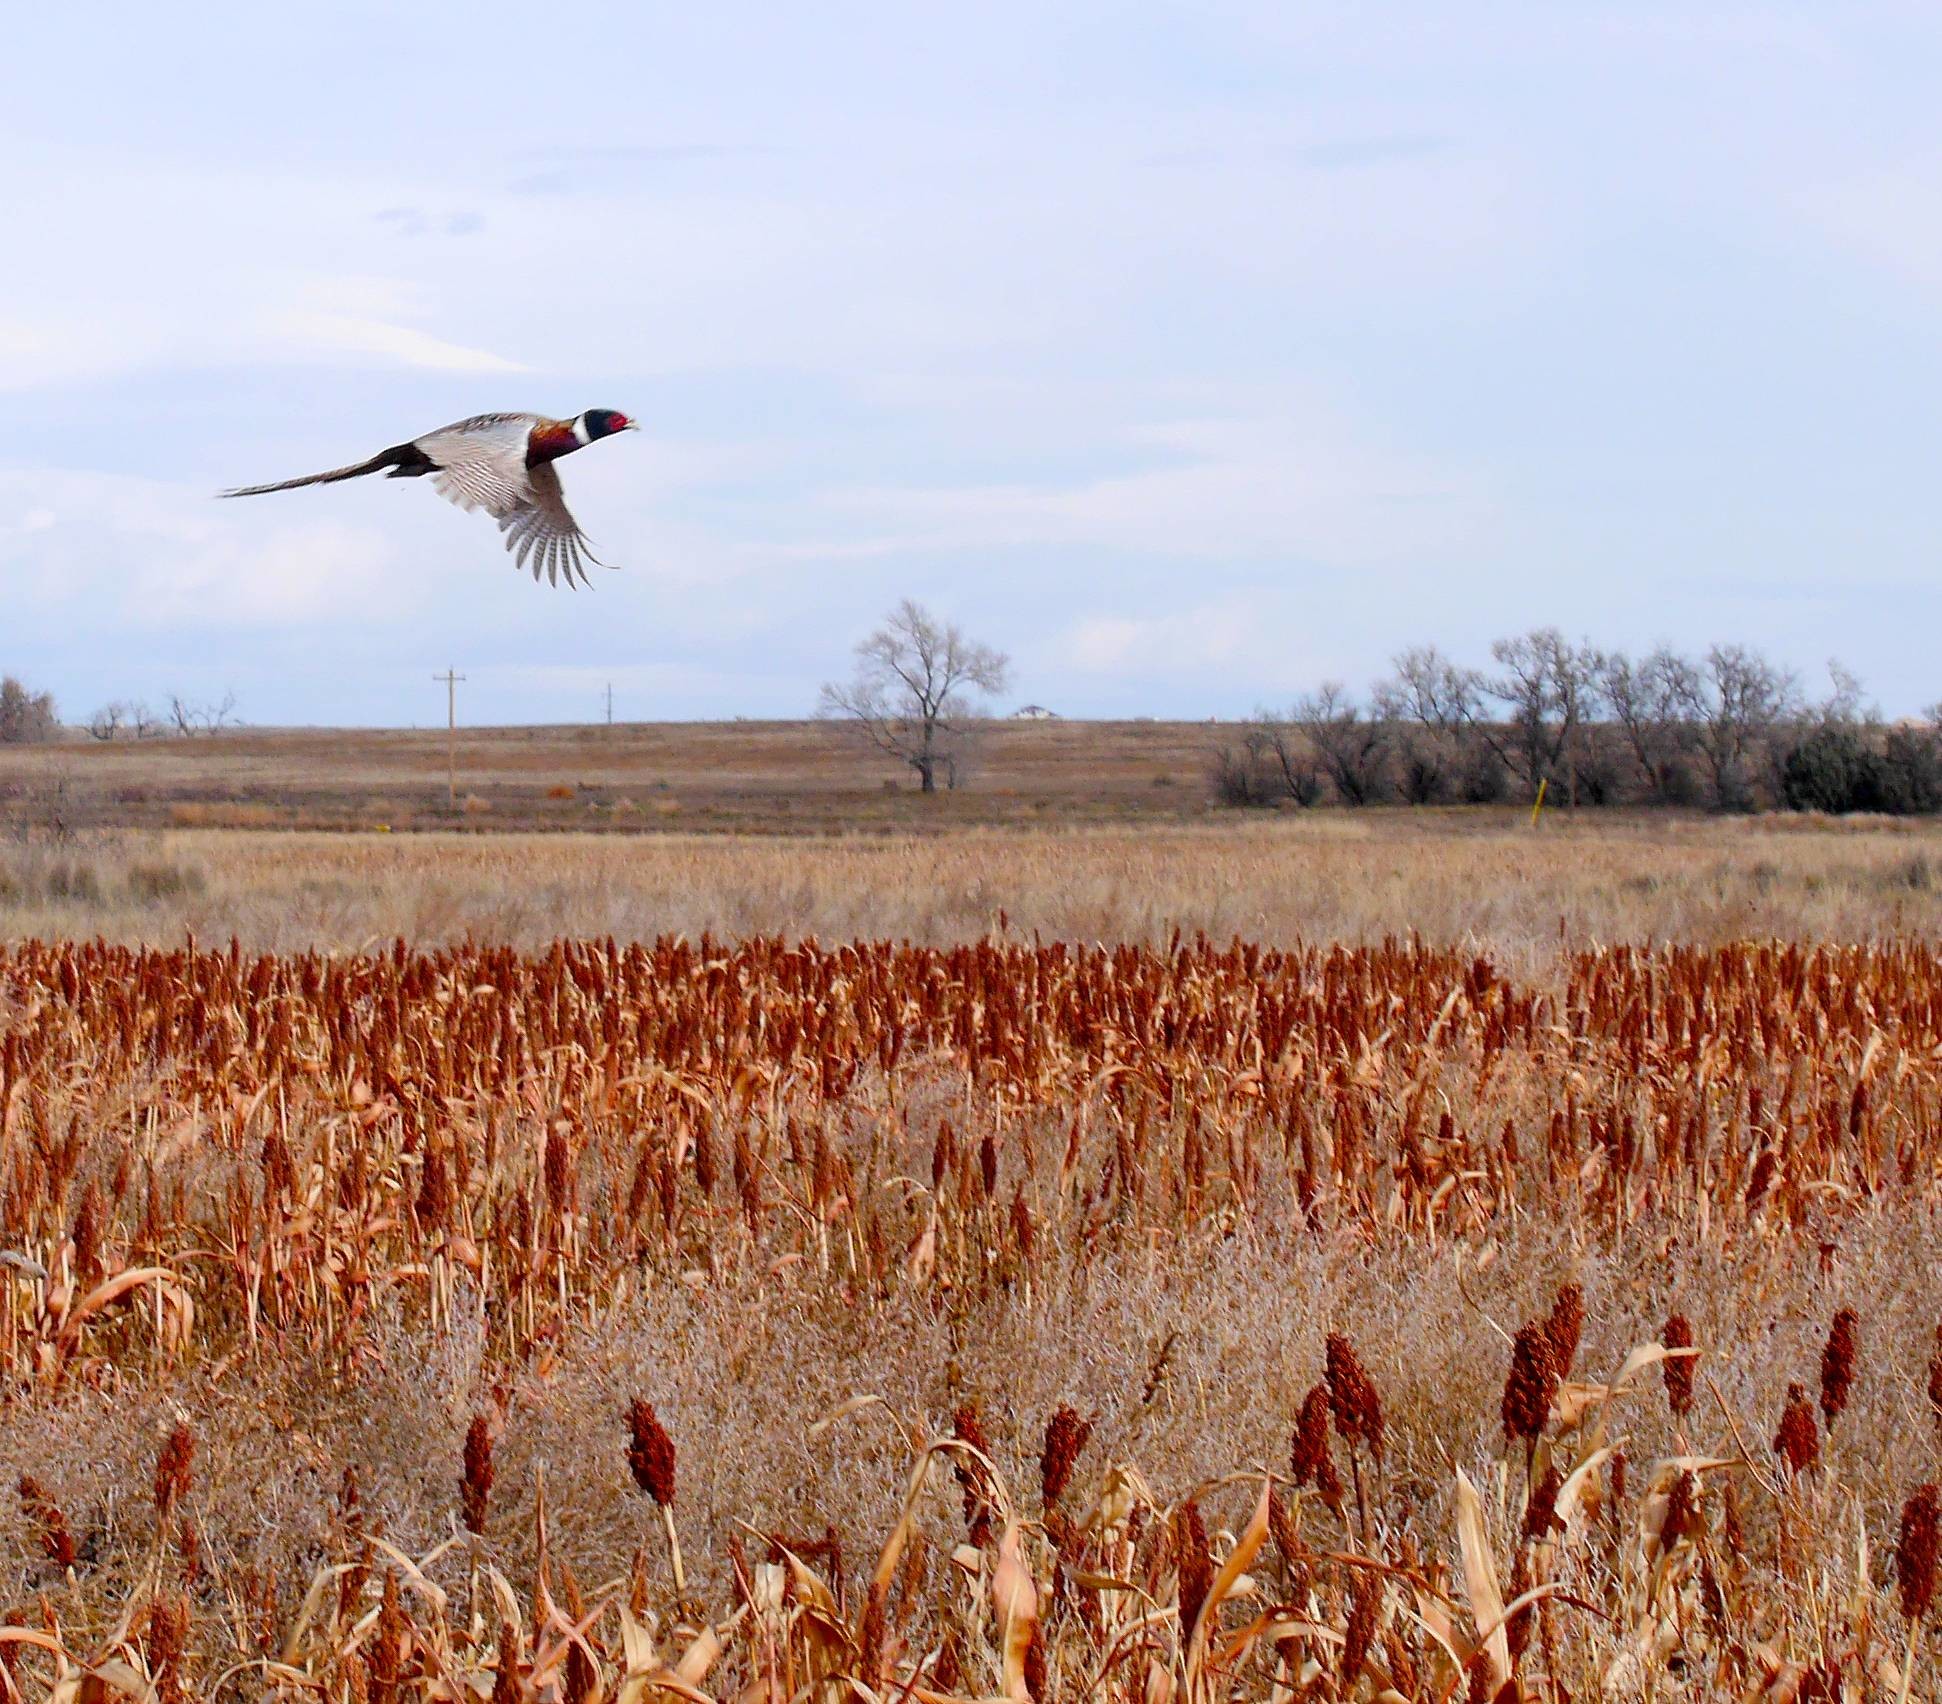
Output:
x=550 y=440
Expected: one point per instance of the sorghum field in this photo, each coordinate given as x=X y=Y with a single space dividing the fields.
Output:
x=1542 y=1304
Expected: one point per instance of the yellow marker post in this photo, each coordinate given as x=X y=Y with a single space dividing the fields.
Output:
x=1539 y=805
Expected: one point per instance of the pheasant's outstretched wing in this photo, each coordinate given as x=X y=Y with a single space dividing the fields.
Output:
x=480 y=463
x=543 y=529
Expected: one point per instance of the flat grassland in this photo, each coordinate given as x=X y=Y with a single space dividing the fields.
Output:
x=748 y=777
x=1482 y=878
x=1495 y=1261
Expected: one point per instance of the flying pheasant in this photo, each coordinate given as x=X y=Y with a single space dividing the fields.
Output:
x=503 y=464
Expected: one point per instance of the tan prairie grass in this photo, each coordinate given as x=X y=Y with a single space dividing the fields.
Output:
x=1482 y=879
x=390 y=1325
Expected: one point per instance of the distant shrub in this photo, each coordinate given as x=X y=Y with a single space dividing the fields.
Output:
x=148 y=883
x=1834 y=768
x=559 y=792
x=26 y=718
x=72 y=879
x=1237 y=780
x=1913 y=760
x=473 y=805
x=1824 y=771
x=1422 y=777
x=1485 y=780
x=1600 y=779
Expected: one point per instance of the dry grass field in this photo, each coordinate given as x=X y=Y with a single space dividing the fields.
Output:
x=1483 y=879
x=748 y=777
x=1347 y=1256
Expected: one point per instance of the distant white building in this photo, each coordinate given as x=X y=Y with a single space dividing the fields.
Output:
x=1034 y=713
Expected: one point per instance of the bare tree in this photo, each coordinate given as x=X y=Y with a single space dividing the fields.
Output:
x=1549 y=689
x=1737 y=701
x=1651 y=702
x=26 y=717
x=107 y=722
x=1435 y=707
x=915 y=690
x=1265 y=768
x=1283 y=761
x=207 y=718
x=1352 y=749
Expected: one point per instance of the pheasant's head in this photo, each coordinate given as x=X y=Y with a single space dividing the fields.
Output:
x=605 y=422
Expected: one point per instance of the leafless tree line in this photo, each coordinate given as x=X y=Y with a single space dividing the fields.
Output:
x=132 y=719
x=1591 y=726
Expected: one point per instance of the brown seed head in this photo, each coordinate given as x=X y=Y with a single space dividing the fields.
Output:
x=1678 y=1370
x=869 y=1655
x=1359 y=1637
x=967 y=1428
x=557 y=1169
x=505 y=1681
x=1023 y=1233
x=1281 y=1528
x=87 y=1236
x=1035 y=1664
x=168 y=1629
x=1309 y=1442
x=650 y=1453
x=1935 y=1378
x=56 y=1541
x=1565 y=1325
x=1401 y=1661
x=1732 y=1529
x=174 y=1470
x=1915 y=1551
x=1682 y=1511
x=1477 y=1690
x=1837 y=1365
x=1541 y=1512
x=1065 y=1437
x=1798 y=1442
x=434 y=1189
x=1352 y=1396
x=475 y=1487
x=387 y=1647
x=1195 y=1568
x=1532 y=1382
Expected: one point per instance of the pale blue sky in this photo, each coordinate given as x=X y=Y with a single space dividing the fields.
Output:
x=1191 y=353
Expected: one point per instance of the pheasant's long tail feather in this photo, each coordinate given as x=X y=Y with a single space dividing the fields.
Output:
x=393 y=457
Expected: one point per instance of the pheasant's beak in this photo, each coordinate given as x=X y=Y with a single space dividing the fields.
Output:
x=633 y=426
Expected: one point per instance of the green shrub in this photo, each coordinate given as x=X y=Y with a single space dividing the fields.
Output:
x=1835 y=769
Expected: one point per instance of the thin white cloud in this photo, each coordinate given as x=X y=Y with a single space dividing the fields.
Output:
x=1226 y=489
x=401 y=343
x=141 y=555
x=1887 y=216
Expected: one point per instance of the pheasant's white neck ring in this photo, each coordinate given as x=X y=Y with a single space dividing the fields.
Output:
x=580 y=433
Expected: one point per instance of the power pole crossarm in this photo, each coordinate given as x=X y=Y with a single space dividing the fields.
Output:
x=451 y=681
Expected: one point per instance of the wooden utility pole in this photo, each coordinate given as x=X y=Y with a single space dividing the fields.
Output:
x=451 y=681
x=610 y=704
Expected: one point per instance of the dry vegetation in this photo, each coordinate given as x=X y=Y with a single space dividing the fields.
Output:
x=748 y=777
x=1427 y=1296
x=683 y=1320
x=1477 y=878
